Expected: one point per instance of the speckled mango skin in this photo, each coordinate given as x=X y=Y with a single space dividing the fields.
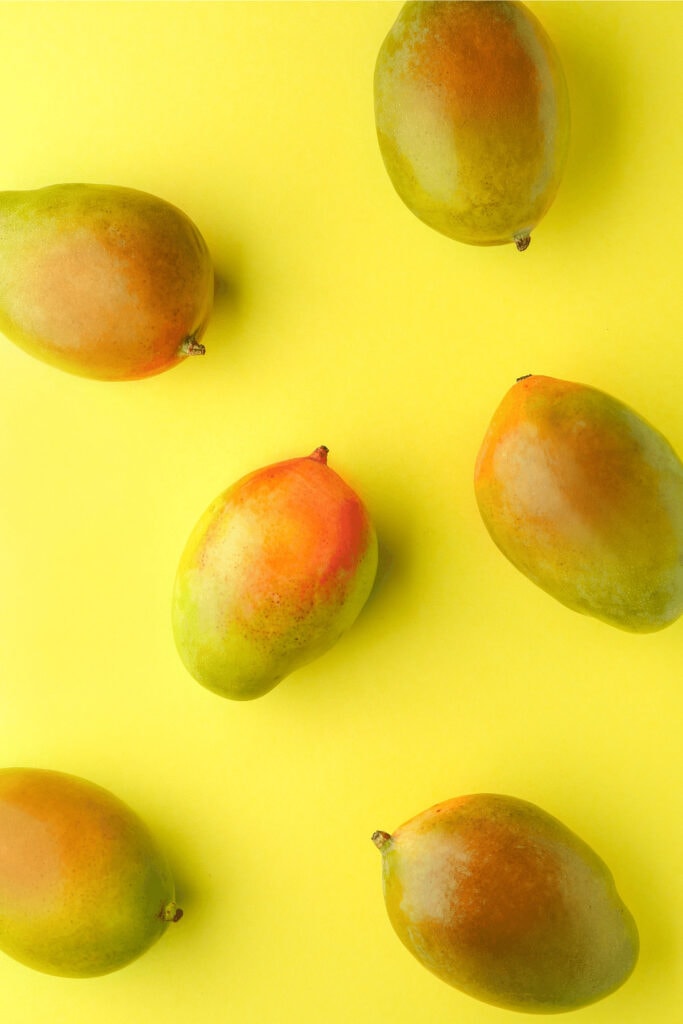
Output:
x=84 y=889
x=102 y=281
x=472 y=117
x=276 y=570
x=586 y=499
x=501 y=900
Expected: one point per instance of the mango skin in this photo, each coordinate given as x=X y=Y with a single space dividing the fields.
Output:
x=275 y=571
x=472 y=118
x=102 y=281
x=585 y=498
x=501 y=900
x=84 y=888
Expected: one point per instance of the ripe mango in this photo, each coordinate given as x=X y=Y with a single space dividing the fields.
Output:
x=277 y=568
x=102 y=281
x=472 y=117
x=585 y=498
x=84 y=888
x=501 y=900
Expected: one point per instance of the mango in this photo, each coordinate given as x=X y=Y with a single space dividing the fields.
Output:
x=102 y=281
x=276 y=570
x=501 y=900
x=84 y=889
x=585 y=498
x=472 y=118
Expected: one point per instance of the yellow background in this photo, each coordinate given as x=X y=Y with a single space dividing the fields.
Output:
x=341 y=320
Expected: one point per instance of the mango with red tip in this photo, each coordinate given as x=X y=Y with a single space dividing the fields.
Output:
x=84 y=888
x=501 y=900
x=585 y=498
x=472 y=117
x=102 y=281
x=275 y=571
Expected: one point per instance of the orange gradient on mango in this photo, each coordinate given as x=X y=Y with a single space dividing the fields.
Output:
x=501 y=900
x=83 y=887
x=472 y=118
x=586 y=499
x=277 y=568
x=102 y=281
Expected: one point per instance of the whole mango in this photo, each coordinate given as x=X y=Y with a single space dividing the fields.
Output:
x=276 y=569
x=84 y=889
x=585 y=498
x=501 y=900
x=102 y=281
x=472 y=117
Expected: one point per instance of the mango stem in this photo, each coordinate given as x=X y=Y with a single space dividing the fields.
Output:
x=320 y=454
x=522 y=241
x=380 y=839
x=191 y=347
x=170 y=911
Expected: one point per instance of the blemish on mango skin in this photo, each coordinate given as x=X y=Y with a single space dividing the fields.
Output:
x=586 y=499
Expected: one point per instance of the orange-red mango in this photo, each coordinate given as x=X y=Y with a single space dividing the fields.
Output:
x=277 y=568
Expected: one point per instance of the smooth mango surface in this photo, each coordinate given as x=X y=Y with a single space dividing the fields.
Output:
x=472 y=118
x=83 y=887
x=583 y=496
x=275 y=571
x=504 y=902
x=102 y=281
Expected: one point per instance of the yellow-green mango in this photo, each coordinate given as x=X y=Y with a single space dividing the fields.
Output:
x=278 y=567
x=501 y=900
x=472 y=117
x=102 y=281
x=84 y=889
x=585 y=498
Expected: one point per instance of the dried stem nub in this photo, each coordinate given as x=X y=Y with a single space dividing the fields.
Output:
x=191 y=347
x=380 y=839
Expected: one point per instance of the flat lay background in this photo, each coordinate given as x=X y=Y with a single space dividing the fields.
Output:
x=340 y=320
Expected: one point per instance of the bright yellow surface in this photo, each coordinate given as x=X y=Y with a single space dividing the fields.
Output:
x=344 y=321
